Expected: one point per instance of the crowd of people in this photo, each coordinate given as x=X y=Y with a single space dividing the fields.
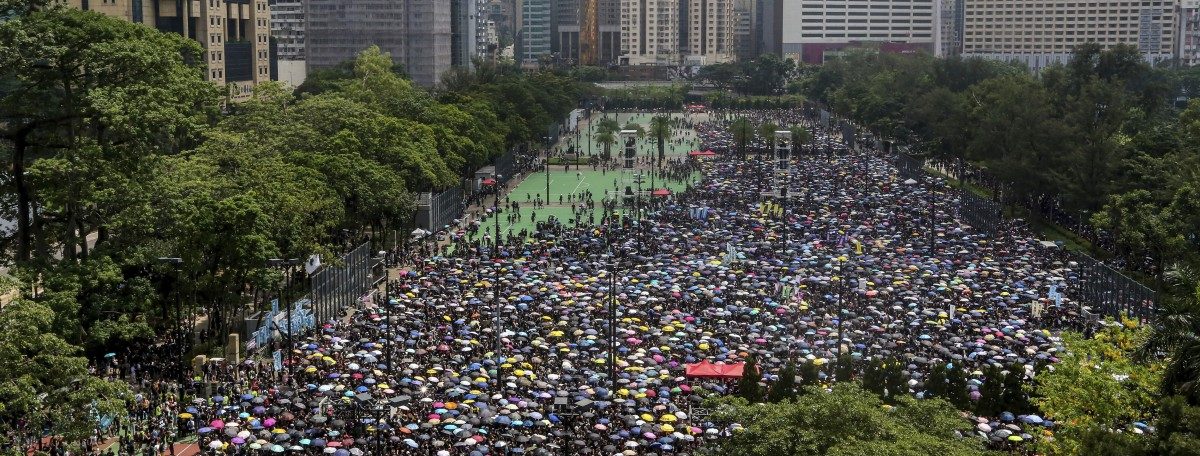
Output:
x=574 y=339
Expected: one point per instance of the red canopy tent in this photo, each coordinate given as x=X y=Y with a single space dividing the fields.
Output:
x=702 y=153
x=661 y=192
x=705 y=369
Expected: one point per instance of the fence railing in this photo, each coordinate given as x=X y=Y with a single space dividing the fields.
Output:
x=336 y=287
x=1107 y=290
x=435 y=210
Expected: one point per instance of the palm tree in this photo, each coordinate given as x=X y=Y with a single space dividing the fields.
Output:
x=606 y=134
x=1177 y=334
x=608 y=125
x=606 y=139
x=742 y=132
x=660 y=128
x=641 y=132
x=767 y=131
x=800 y=137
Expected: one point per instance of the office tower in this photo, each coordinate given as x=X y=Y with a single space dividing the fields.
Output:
x=950 y=28
x=415 y=32
x=234 y=34
x=287 y=42
x=813 y=32
x=464 y=24
x=566 y=37
x=287 y=28
x=768 y=27
x=650 y=32
x=534 y=37
x=711 y=34
x=1038 y=33
x=588 y=41
x=610 y=31
x=745 y=39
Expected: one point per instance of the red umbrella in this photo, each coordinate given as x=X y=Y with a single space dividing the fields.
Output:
x=489 y=181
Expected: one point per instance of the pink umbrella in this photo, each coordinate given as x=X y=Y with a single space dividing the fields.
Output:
x=217 y=424
x=269 y=422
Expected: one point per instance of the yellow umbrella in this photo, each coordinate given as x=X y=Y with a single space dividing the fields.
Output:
x=668 y=428
x=185 y=415
x=647 y=417
x=668 y=419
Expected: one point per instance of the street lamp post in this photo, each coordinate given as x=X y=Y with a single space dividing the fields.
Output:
x=563 y=409
x=177 y=263
x=283 y=295
x=932 y=219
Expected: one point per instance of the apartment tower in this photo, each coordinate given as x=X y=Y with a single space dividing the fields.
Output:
x=1039 y=33
x=235 y=34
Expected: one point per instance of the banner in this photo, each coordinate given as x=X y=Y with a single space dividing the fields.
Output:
x=277 y=360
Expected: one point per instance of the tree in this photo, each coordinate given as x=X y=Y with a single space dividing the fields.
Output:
x=742 y=131
x=639 y=132
x=844 y=421
x=935 y=384
x=809 y=376
x=800 y=137
x=767 y=132
x=606 y=140
x=748 y=387
x=785 y=387
x=1097 y=386
x=45 y=382
x=1177 y=333
x=844 y=368
x=94 y=94
x=660 y=129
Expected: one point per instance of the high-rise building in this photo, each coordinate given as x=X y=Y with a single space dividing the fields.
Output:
x=768 y=27
x=415 y=32
x=610 y=31
x=815 y=31
x=534 y=38
x=1038 y=33
x=234 y=34
x=745 y=39
x=287 y=28
x=711 y=34
x=1189 y=32
x=464 y=23
x=287 y=42
x=950 y=29
x=650 y=32
x=569 y=23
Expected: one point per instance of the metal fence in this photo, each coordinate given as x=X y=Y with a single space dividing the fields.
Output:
x=981 y=213
x=1095 y=283
x=1113 y=293
x=336 y=287
x=506 y=165
x=435 y=210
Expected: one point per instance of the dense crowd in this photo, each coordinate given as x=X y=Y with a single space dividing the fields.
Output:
x=506 y=346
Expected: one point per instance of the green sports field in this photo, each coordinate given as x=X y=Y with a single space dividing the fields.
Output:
x=563 y=183
x=578 y=180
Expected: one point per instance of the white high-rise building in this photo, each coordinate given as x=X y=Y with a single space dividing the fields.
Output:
x=710 y=32
x=650 y=32
x=815 y=31
x=1038 y=33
